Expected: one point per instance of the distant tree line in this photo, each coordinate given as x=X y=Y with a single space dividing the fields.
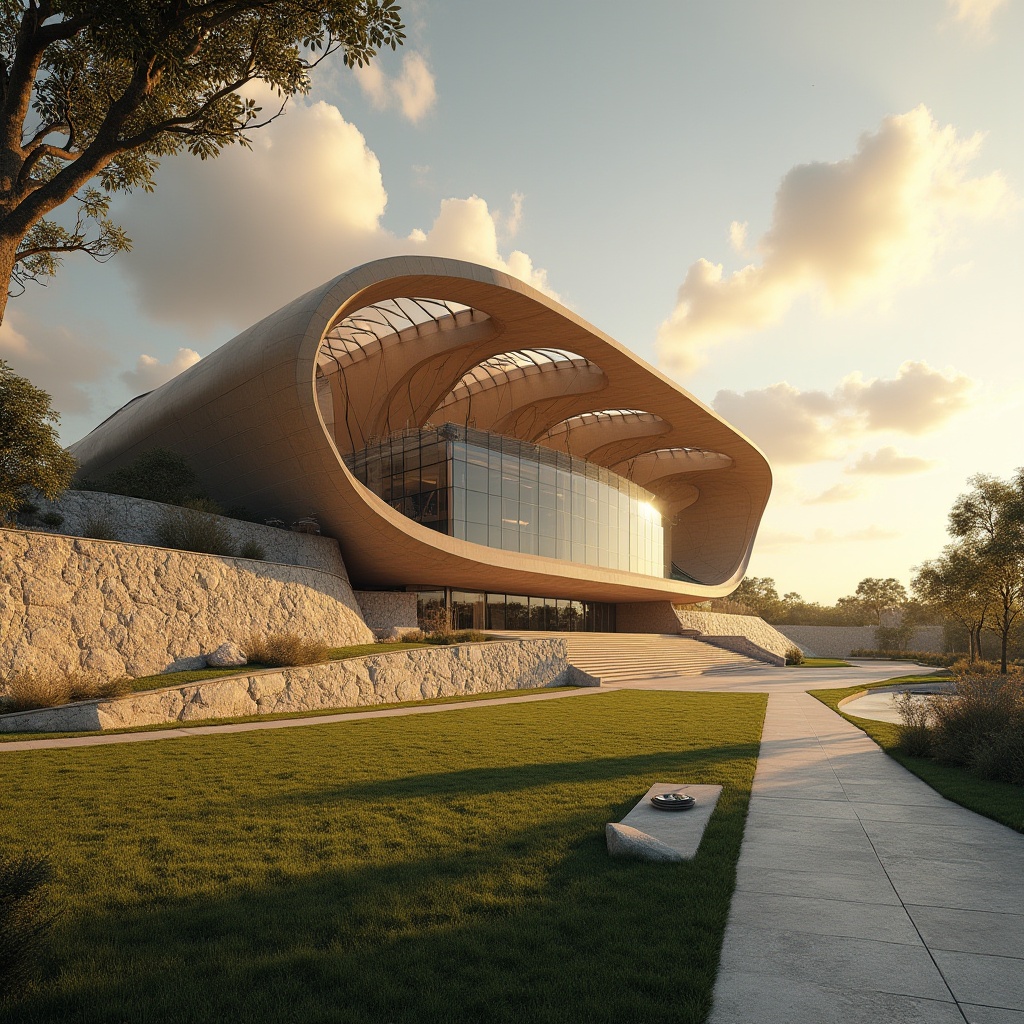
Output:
x=975 y=587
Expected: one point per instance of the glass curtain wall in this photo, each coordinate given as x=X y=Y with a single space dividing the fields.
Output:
x=473 y=610
x=509 y=494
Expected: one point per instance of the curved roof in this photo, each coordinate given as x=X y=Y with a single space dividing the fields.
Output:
x=407 y=341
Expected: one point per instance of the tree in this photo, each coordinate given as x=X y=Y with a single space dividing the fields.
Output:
x=880 y=596
x=102 y=89
x=760 y=594
x=954 y=585
x=30 y=454
x=991 y=518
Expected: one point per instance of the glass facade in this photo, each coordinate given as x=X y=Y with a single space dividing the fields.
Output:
x=509 y=494
x=472 y=610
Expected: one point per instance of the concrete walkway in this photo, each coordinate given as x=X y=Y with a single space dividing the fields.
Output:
x=864 y=896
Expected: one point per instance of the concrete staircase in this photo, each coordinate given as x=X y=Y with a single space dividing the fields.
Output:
x=632 y=657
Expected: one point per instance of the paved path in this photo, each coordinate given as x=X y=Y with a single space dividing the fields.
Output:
x=864 y=896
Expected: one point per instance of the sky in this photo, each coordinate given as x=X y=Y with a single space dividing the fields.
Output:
x=810 y=215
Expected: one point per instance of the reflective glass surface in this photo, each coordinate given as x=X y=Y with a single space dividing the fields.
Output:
x=508 y=494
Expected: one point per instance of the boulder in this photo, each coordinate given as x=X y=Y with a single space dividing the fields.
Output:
x=228 y=655
x=624 y=841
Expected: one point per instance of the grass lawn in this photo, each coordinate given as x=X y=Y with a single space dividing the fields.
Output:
x=999 y=800
x=436 y=868
x=822 y=663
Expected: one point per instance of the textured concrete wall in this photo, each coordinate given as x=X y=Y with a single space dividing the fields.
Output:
x=838 y=641
x=716 y=624
x=387 y=609
x=646 y=617
x=137 y=521
x=416 y=674
x=127 y=609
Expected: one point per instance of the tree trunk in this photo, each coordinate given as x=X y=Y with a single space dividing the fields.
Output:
x=8 y=256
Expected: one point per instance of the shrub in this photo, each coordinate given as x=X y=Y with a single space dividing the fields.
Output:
x=53 y=519
x=974 y=726
x=252 y=550
x=30 y=691
x=98 y=529
x=24 y=921
x=794 y=656
x=280 y=650
x=915 y=736
x=207 y=505
x=157 y=475
x=190 y=529
x=924 y=657
x=978 y=667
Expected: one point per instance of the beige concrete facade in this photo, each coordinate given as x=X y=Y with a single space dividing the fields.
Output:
x=267 y=419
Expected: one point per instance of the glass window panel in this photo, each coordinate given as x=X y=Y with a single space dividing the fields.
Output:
x=510 y=513
x=494 y=481
x=459 y=474
x=476 y=533
x=509 y=484
x=547 y=546
x=459 y=529
x=494 y=511
x=510 y=540
x=517 y=612
x=496 y=611
x=428 y=604
x=476 y=507
x=494 y=536
x=528 y=542
x=547 y=496
x=458 y=504
x=528 y=492
x=546 y=522
x=476 y=478
x=547 y=475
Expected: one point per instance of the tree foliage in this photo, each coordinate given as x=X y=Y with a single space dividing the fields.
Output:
x=880 y=596
x=96 y=92
x=990 y=517
x=31 y=457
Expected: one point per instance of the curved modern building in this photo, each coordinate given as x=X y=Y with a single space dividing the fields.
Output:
x=466 y=437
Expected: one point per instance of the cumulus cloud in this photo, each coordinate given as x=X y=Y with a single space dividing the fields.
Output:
x=795 y=426
x=975 y=15
x=413 y=90
x=785 y=539
x=840 y=232
x=833 y=495
x=234 y=238
x=888 y=461
x=150 y=373
x=54 y=359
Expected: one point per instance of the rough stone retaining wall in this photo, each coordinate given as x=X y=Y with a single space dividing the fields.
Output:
x=387 y=609
x=416 y=674
x=719 y=625
x=137 y=521
x=744 y=634
x=70 y=604
x=838 y=641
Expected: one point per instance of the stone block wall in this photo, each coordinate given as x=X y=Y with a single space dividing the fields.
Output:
x=70 y=604
x=646 y=617
x=137 y=521
x=385 y=610
x=838 y=641
x=416 y=674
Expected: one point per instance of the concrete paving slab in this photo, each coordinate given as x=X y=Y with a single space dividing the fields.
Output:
x=827 y=882
x=755 y=999
x=970 y=931
x=863 y=965
x=883 y=922
x=991 y=1014
x=990 y=980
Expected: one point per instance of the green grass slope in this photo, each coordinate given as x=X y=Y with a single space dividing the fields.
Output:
x=443 y=868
